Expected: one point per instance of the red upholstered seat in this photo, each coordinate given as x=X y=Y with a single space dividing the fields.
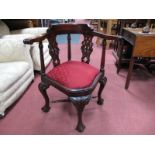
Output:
x=74 y=74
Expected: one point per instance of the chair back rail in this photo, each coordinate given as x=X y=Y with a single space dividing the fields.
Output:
x=68 y=29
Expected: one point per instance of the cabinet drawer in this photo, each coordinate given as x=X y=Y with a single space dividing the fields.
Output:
x=129 y=37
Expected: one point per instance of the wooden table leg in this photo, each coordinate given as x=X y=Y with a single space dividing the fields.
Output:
x=129 y=73
x=120 y=50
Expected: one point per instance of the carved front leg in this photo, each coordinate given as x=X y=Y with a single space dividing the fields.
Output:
x=79 y=103
x=42 y=87
x=102 y=85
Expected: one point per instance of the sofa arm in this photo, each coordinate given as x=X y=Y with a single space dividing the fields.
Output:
x=17 y=36
x=34 y=31
x=12 y=49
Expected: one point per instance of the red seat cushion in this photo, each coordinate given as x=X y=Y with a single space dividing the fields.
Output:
x=74 y=74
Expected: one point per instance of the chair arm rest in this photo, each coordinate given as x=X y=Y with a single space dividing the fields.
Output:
x=35 y=39
x=106 y=36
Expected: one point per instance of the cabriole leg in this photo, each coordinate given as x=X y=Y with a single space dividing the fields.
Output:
x=102 y=85
x=80 y=107
x=79 y=103
x=42 y=87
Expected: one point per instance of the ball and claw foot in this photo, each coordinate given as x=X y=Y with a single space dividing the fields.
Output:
x=100 y=101
x=80 y=127
x=45 y=109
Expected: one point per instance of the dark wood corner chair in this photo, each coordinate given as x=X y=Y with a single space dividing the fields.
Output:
x=76 y=79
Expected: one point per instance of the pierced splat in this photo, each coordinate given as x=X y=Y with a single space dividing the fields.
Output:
x=54 y=50
x=86 y=48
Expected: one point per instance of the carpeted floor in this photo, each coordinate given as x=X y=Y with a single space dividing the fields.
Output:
x=129 y=111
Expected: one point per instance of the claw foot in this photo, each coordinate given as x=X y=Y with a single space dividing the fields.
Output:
x=100 y=101
x=80 y=127
x=45 y=109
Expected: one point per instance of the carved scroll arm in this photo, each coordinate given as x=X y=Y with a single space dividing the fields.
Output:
x=30 y=41
x=39 y=40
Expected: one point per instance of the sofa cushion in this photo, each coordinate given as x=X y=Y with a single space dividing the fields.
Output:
x=4 y=30
x=13 y=49
x=17 y=36
x=11 y=72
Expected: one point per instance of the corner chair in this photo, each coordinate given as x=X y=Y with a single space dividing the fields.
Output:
x=66 y=77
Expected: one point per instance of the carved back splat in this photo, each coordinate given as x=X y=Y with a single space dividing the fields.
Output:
x=86 y=48
x=54 y=50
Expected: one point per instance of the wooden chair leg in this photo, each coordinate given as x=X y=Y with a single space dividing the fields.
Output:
x=79 y=103
x=129 y=73
x=42 y=87
x=102 y=85
x=80 y=126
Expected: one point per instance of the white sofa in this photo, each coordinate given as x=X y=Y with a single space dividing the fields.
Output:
x=34 y=50
x=16 y=71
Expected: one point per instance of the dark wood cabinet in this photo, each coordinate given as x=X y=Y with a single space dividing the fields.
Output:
x=128 y=42
x=143 y=49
